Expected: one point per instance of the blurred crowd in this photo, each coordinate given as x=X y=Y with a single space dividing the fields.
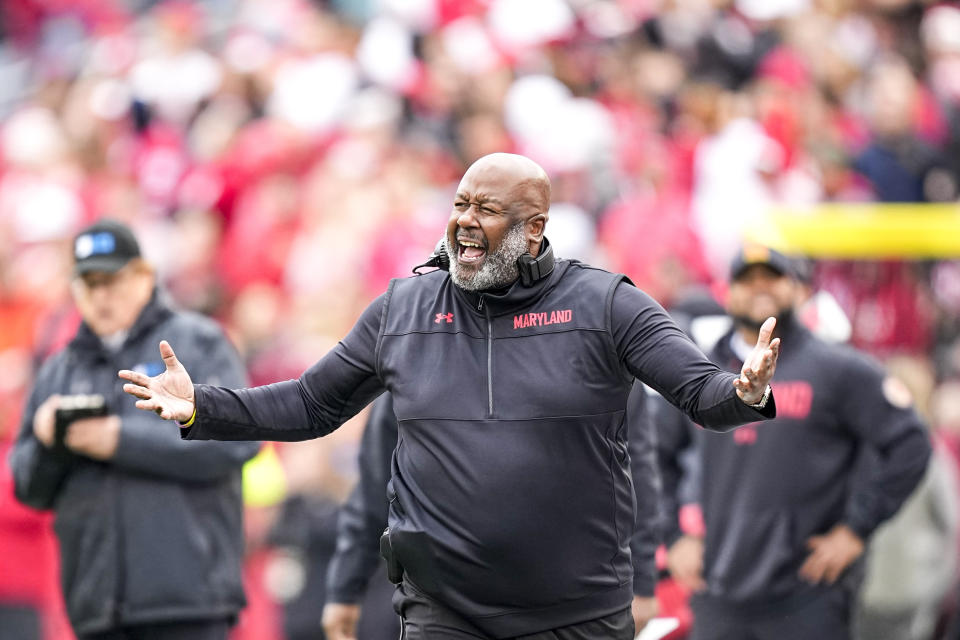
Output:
x=282 y=159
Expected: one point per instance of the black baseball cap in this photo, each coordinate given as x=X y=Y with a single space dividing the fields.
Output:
x=751 y=254
x=106 y=245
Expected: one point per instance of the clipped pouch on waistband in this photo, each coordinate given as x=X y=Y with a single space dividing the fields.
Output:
x=394 y=570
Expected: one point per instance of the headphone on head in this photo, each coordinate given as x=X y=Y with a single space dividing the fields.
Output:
x=438 y=259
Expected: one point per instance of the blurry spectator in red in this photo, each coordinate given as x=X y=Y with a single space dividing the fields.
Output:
x=30 y=604
x=889 y=304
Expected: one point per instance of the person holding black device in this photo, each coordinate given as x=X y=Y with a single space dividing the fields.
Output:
x=149 y=527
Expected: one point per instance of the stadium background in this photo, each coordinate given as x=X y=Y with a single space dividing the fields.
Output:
x=282 y=159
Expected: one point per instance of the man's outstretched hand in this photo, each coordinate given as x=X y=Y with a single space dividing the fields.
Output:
x=169 y=395
x=758 y=369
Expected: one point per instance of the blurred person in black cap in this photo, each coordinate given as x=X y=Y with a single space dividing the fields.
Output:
x=787 y=505
x=149 y=527
x=511 y=507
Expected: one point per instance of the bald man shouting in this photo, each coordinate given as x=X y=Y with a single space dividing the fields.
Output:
x=511 y=505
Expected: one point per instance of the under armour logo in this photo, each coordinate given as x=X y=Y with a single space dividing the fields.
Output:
x=443 y=316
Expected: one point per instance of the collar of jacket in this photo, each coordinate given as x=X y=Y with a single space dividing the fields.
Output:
x=155 y=312
x=514 y=297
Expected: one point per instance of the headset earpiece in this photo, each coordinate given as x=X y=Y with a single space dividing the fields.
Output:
x=438 y=259
x=533 y=269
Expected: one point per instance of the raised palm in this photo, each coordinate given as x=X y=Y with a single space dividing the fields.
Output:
x=759 y=367
x=169 y=395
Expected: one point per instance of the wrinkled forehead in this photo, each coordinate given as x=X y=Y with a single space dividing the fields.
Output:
x=507 y=185
x=489 y=179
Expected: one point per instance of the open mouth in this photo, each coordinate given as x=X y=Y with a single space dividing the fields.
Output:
x=470 y=251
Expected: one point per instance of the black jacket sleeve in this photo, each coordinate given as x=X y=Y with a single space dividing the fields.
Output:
x=655 y=350
x=38 y=472
x=876 y=408
x=328 y=394
x=364 y=516
x=641 y=442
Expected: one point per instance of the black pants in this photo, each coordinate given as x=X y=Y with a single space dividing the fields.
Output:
x=426 y=619
x=824 y=616
x=201 y=630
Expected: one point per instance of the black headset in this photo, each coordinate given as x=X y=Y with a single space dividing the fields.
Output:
x=531 y=269
x=438 y=259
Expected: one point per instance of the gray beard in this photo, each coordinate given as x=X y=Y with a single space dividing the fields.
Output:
x=499 y=269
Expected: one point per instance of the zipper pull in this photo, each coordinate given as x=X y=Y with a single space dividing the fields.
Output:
x=480 y=303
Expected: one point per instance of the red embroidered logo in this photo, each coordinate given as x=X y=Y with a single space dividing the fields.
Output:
x=541 y=319
x=443 y=316
x=794 y=399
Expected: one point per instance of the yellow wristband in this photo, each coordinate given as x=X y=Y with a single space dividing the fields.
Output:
x=184 y=425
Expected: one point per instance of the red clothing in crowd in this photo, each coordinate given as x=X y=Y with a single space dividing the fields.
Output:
x=29 y=561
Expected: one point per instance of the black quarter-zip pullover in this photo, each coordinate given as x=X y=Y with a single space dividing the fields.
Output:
x=510 y=497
